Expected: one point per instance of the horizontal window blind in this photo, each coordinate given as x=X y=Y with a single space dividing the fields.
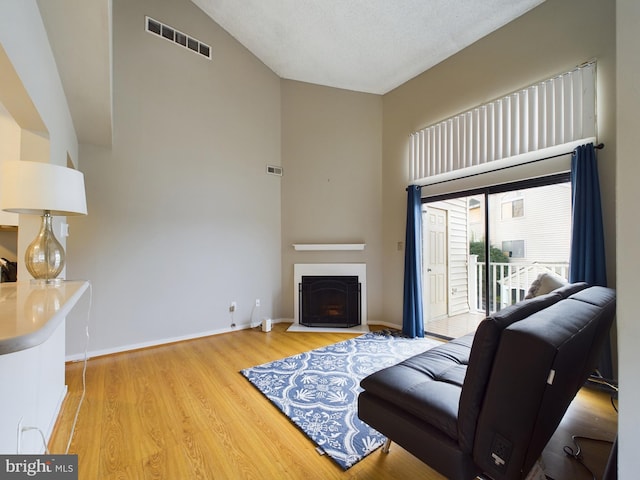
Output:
x=554 y=112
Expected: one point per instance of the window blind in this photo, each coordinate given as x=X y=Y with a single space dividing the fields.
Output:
x=553 y=112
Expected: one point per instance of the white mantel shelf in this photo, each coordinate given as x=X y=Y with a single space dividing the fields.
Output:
x=328 y=246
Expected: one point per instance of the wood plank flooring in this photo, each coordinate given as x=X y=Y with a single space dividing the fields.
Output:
x=183 y=411
x=454 y=326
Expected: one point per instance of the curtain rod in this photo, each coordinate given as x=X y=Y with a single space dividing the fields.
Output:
x=599 y=146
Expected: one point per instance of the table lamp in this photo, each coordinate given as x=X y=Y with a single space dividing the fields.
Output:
x=36 y=188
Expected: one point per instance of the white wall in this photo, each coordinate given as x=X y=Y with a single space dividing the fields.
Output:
x=628 y=233
x=183 y=219
x=331 y=188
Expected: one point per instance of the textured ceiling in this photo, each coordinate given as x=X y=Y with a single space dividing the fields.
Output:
x=364 y=45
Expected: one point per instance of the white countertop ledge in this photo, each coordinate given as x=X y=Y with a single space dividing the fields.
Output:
x=328 y=246
x=29 y=314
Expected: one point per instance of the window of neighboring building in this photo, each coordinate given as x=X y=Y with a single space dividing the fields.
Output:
x=512 y=205
x=513 y=248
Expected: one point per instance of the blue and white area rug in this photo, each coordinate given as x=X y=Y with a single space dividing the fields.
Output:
x=318 y=390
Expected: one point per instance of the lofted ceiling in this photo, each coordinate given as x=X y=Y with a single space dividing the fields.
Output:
x=368 y=46
x=363 y=45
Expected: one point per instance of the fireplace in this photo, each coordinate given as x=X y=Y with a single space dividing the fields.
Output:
x=329 y=301
x=330 y=271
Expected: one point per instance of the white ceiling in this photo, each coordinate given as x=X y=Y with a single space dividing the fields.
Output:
x=364 y=45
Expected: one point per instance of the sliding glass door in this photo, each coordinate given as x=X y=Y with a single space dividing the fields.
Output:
x=483 y=249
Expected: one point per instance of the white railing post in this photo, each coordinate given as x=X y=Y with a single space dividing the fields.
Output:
x=479 y=279
x=472 y=282
x=506 y=277
x=493 y=281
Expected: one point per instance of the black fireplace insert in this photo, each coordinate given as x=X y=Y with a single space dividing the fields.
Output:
x=329 y=301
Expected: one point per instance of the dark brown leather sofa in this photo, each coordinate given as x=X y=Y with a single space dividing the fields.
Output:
x=487 y=403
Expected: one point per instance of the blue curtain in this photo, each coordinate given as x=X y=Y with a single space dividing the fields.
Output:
x=587 y=260
x=412 y=321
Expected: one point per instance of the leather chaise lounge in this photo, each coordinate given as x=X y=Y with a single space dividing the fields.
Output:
x=487 y=403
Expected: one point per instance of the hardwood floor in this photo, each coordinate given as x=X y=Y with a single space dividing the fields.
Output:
x=455 y=326
x=590 y=415
x=183 y=411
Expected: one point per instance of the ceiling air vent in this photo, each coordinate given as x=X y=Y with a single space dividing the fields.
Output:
x=271 y=170
x=176 y=36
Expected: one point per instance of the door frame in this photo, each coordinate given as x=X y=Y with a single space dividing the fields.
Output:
x=426 y=287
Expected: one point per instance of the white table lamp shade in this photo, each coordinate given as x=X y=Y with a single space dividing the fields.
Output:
x=33 y=187
x=36 y=188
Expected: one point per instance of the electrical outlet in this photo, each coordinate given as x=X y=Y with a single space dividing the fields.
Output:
x=232 y=307
x=257 y=302
x=500 y=452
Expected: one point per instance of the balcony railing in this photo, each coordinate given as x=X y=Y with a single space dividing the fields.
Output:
x=509 y=282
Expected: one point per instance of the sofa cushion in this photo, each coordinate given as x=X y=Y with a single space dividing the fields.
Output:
x=426 y=385
x=570 y=289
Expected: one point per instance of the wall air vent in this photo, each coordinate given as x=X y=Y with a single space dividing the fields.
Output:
x=271 y=170
x=176 y=36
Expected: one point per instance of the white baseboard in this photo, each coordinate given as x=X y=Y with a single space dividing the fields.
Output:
x=78 y=357
x=386 y=324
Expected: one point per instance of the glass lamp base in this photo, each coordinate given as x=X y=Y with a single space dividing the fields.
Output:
x=44 y=257
x=46 y=282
